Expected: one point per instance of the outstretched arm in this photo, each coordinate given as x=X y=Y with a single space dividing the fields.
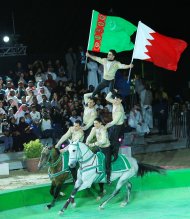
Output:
x=95 y=58
x=109 y=97
x=91 y=56
x=63 y=138
x=124 y=66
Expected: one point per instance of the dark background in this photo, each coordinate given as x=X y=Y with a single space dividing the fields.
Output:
x=50 y=27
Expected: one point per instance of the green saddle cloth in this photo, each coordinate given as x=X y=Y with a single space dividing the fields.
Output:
x=121 y=164
x=65 y=157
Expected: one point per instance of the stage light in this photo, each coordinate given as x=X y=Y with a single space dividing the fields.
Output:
x=6 y=39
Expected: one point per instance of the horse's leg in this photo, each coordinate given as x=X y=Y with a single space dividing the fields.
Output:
x=120 y=183
x=101 y=192
x=56 y=188
x=129 y=175
x=69 y=200
x=74 y=174
x=101 y=206
x=56 y=193
x=72 y=196
x=128 y=193
x=52 y=188
x=52 y=191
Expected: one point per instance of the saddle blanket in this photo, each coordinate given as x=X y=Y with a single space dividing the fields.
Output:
x=121 y=164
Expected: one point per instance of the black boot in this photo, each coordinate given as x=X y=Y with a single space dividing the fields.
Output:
x=108 y=179
x=115 y=156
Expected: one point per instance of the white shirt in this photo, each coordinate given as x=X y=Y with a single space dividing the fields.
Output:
x=35 y=116
x=46 y=124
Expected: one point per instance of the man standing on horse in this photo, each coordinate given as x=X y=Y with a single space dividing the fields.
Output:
x=75 y=133
x=110 y=68
x=118 y=117
x=99 y=132
x=89 y=114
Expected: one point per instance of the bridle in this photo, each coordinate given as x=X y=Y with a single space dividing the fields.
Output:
x=50 y=156
x=54 y=164
x=80 y=155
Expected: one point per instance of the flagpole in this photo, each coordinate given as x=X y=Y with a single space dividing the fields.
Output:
x=133 y=52
x=89 y=37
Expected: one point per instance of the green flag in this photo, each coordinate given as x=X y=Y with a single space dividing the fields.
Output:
x=110 y=32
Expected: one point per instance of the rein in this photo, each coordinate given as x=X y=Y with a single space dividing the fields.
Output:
x=84 y=161
x=87 y=167
x=54 y=165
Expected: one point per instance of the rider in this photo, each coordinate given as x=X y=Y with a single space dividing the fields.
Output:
x=117 y=123
x=110 y=68
x=99 y=132
x=75 y=133
x=89 y=114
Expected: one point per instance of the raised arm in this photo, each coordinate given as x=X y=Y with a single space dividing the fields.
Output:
x=95 y=58
x=86 y=97
x=64 y=138
x=109 y=97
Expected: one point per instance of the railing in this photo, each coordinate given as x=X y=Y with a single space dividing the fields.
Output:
x=179 y=122
x=178 y=119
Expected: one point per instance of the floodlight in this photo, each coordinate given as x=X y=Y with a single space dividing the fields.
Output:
x=6 y=39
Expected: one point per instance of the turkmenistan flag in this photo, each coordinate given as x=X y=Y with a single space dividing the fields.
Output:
x=110 y=32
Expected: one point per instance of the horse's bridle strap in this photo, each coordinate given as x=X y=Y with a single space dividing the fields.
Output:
x=89 y=167
x=57 y=174
x=56 y=162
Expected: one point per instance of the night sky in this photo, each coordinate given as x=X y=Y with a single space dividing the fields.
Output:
x=52 y=26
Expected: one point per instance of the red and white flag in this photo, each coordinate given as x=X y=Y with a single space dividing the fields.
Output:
x=162 y=50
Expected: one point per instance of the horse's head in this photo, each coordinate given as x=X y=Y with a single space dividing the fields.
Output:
x=48 y=156
x=78 y=152
x=74 y=154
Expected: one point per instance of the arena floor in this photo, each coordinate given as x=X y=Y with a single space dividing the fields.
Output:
x=153 y=196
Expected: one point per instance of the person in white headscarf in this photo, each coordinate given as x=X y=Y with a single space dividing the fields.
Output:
x=92 y=67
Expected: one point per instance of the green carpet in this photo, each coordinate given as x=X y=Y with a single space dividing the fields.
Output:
x=153 y=196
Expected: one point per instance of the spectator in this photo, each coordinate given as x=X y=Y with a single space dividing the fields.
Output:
x=46 y=127
x=136 y=121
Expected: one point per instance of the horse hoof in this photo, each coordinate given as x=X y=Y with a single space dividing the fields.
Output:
x=47 y=207
x=123 y=204
x=98 y=198
x=60 y=212
x=62 y=193
x=73 y=205
x=101 y=207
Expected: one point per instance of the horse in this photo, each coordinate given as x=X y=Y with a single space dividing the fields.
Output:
x=91 y=170
x=58 y=170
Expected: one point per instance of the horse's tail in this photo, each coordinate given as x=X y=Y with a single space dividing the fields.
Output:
x=145 y=168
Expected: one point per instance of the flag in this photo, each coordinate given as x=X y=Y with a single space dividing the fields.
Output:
x=110 y=32
x=162 y=50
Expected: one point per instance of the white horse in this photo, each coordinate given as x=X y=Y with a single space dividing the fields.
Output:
x=91 y=171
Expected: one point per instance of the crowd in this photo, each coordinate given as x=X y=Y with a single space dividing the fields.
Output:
x=63 y=101
x=43 y=100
